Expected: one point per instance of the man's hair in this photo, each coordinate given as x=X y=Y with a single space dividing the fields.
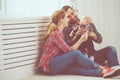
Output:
x=65 y=8
x=71 y=22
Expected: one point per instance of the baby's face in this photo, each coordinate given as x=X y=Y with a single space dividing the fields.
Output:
x=82 y=29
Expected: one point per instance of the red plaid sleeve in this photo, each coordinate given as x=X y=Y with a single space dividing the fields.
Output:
x=58 y=40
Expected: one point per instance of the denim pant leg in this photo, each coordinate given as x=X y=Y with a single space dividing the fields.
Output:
x=62 y=62
x=107 y=54
x=79 y=70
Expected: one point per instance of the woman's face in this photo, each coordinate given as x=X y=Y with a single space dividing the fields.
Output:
x=65 y=20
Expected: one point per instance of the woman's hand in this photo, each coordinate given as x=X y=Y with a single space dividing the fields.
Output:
x=84 y=36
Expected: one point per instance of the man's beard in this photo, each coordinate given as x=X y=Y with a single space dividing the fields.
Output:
x=74 y=21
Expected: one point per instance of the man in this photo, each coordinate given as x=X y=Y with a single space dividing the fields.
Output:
x=108 y=54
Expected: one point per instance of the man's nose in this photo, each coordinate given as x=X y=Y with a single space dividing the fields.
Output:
x=72 y=16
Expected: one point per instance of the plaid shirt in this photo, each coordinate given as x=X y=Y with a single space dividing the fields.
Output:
x=54 y=45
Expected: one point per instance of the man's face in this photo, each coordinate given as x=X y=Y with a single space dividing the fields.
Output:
x=71 y=13
x=72 y=16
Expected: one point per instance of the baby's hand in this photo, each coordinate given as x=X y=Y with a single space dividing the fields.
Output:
x=89 y=28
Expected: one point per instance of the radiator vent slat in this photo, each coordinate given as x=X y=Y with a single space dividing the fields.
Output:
x=21 y=41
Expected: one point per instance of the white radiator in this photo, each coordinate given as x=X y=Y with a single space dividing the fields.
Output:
x=20 y=41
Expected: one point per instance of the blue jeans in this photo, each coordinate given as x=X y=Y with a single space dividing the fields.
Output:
x=74 y=62
x=108 y=54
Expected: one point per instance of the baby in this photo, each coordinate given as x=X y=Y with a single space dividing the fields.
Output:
x=79 y=29
x=88 y=22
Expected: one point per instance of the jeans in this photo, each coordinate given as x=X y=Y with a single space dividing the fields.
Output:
x=74 y=62
x=108 y=54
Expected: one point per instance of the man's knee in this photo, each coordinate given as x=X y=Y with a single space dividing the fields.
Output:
x=111 y=48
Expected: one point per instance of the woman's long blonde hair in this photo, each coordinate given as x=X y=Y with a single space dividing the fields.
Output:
x=57 y=15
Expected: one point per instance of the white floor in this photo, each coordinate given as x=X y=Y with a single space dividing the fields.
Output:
x=68 y=77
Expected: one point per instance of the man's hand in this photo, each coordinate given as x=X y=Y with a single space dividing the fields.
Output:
x=93 y=35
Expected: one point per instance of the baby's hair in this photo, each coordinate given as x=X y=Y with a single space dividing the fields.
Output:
x=86 y=19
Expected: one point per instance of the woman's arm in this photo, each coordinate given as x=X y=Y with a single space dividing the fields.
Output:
x=59 y=41
x=83 y=38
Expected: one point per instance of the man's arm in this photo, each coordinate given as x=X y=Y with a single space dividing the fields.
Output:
x=67 y=38
x=96 y=36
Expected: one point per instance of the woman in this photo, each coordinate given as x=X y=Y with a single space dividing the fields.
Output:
x=58 y=58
